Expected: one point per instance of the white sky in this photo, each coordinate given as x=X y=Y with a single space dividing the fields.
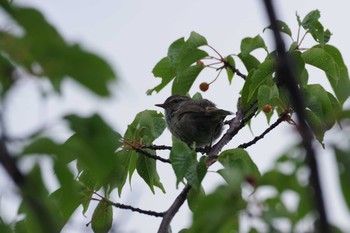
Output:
x=133 y=35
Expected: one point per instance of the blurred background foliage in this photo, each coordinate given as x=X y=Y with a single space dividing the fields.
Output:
x=95 y=160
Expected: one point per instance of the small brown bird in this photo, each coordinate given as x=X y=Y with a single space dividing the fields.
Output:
x=193 y=121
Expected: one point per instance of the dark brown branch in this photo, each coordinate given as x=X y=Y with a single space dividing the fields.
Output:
x=141 y=211
x=156 y=147
x=28 y=191
x=287 y=76
x=234 y=70
x=152 y=156
x=235 y=125
x=261 y=136
x=170 y=213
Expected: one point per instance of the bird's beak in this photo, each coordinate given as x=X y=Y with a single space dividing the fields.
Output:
x=160 y=105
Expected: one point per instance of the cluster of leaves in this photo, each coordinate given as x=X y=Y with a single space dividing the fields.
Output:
x=262 y=86
x=34 y=48
x=96 y=160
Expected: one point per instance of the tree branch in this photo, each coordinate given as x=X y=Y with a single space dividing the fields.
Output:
x=257 y=138
x=170 y=213
x=235 y=125
x=141 y=211
x=234 y=70
x=287 y=76
x=152 y=156
x=156 y=147
x=28 y=191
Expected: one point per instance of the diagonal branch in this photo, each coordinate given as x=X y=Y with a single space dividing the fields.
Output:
x=235 y=126
x=141 y=211
x=235 y=70
x=287 y=76
x=261 y=136
x=170 y=213
x=152 y=156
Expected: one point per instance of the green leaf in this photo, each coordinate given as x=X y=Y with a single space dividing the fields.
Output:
x=190 y=53
x=250 y=62
x=311 y=24
x=102 y=218
x=194 y=197
x=145 y=128
x=310 y=19
x=147 y=169
x=68 y=198
x=229 y=71
x=264 y=72
x=183 y=159
x=46 y=146
x=6 y=74
x=94 y=144
x=86 y=194
x=341 y=84
x=343 y=162
x=88 y=69
x=43 y=46
x=196 y=173
x=322 y=113
x=197 y=96
x=41 y=213
x=164 y=70
x=4 y=228
x=249 y=44
x=245 y=90
x=238 y=159
x=267 y=95
x=280 y=181
x=218 y=212
x=184 y=81
x=175 y=50
x=282 y=27
x=300 y=70
x=185 y=165
x=179 y=64
x=321 y=59
x=120 y=173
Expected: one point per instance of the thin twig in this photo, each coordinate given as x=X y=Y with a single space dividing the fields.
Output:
x=156 y=147
x=221 y=58
x=234 y=70
x=257 y=138
x=170 y=213
x=286 y=73
x=141 y=211
x=152 y=156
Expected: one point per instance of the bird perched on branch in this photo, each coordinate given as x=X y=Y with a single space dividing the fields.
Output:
x=193 y=121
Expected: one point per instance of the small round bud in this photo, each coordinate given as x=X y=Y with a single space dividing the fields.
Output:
x=267 y=108
x=200 y=63
x=204 y=86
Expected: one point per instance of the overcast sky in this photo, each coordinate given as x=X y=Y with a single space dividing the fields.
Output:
x=133 y=35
